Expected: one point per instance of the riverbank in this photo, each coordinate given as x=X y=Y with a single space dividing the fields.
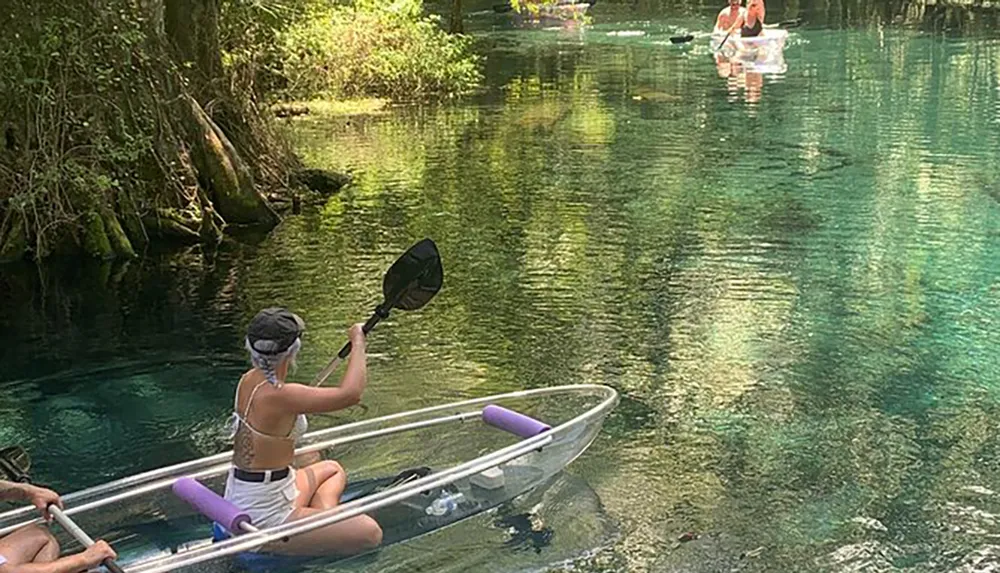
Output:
x=159 y=132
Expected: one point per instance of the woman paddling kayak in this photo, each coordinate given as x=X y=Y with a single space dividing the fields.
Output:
x=268 y=417
x=729 y=15
x=750 y=22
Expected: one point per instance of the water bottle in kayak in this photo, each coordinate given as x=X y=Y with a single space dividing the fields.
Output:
x=445 y=504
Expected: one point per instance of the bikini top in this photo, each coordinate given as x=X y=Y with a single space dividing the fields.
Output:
x=753 y=30
x=297 y=431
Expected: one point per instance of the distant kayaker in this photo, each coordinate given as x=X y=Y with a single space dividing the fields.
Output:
x=33 y=549
x=751 y=22
x=268 y=417
x=730 y=15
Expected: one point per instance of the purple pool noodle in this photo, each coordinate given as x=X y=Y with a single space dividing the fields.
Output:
x=210 y=504
x=513 y=422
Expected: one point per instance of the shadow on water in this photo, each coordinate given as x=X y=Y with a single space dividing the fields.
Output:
x=105 y=351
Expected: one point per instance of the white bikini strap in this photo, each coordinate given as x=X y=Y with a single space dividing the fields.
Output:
x=253 y=393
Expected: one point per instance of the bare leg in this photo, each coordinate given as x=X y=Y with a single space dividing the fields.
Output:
x=320 y=485
x=304 y=460
x=355 y=535
x=33 y=544
x=49 y=551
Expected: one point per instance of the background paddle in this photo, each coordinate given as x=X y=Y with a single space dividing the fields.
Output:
x=15 y=463
x=410 y=283
x=785 y=24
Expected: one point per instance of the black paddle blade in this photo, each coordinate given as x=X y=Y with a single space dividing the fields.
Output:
x=15 y=463
x=681 y=39
x=414 y=279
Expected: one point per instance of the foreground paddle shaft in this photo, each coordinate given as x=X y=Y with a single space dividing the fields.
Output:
x=80 y=535
x=723 y=42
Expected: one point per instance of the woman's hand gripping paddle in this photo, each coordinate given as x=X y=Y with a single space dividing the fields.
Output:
x=15 y=464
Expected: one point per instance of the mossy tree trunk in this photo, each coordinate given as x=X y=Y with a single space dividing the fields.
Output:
x=455 y=26
x=122 y=125
x=192 y=27
x=192 y=30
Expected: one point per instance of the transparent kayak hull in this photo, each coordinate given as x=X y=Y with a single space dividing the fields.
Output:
x=155 y=531
x=763 y=53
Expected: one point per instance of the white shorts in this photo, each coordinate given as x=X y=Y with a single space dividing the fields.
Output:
x=2 y=559
x=267 y=503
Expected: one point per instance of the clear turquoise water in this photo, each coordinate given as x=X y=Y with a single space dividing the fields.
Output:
x=790 y=278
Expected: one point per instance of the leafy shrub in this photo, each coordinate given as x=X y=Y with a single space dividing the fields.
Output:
x=375 y=48
x=77 y=124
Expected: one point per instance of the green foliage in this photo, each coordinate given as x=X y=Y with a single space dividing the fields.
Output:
x=532 y=6
x=374 y=48
x=89 y=120
x=76 y=129
x=537 y=9
x=250 y=34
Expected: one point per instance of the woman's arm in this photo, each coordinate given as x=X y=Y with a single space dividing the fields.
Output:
x=304 y=399
x=718 y=19
x=71 y=564
x=737 y=23
x=10 y=491
x=38 y=496
x=89 y=559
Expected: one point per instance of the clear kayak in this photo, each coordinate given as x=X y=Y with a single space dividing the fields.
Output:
x=458 y=459
x=763 y=53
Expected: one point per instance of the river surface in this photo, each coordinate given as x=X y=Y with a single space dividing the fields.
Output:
x=790 y=277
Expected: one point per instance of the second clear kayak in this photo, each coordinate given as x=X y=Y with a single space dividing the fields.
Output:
x=763 y=53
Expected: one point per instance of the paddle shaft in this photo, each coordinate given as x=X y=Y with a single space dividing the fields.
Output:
x=723 y=42
x=80 y=535
x=377 y=316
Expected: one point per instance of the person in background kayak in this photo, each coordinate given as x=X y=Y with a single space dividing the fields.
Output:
x=268 y=417
x=751 y=21
x=729 y=16
x=33 y=549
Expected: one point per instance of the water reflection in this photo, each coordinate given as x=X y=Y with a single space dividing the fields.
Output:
x=740 y=76
x=743 y=63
